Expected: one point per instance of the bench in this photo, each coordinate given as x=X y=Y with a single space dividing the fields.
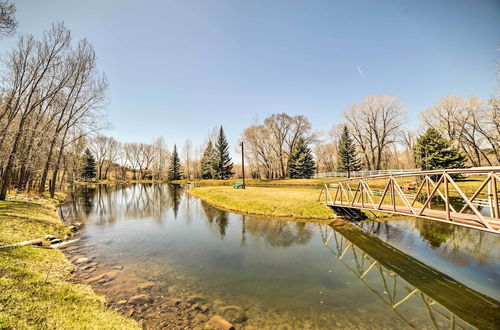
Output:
x=238 y=185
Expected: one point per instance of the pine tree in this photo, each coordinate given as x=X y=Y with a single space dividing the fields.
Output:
x=222 y=165
x=89 y=168
x=301 y=162
x=347 y=157
x=434 y=152
x=174 y=170
x=207 y=161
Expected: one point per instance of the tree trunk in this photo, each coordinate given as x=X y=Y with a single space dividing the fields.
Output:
x=7 y=175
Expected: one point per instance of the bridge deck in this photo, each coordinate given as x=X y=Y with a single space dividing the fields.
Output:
x=464 y=219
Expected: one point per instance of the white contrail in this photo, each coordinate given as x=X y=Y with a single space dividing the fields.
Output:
x=360 y=72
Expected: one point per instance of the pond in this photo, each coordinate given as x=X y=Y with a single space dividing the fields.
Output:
x=401 y=273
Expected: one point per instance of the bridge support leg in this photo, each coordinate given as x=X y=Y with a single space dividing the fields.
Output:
x=494 y=191
x=446 y=196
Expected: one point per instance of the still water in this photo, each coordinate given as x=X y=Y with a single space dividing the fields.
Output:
x=402 y=273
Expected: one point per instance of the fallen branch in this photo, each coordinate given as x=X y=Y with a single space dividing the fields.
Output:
x=37 y=242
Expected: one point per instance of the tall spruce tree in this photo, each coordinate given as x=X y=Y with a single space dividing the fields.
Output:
x=347 y=156
x=301 y=162
x=174 y=170
x=207 y=161
x=222 y=164
x=434 y=152
x=89 y=168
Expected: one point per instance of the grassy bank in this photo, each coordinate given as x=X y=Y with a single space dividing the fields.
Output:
x=35 y=288
x=290 y=202
x=259 y=183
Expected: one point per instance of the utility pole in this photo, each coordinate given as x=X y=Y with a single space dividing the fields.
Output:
x=243 y=163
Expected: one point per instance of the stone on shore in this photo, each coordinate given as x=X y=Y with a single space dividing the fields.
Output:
x=140 y=299
x=146 y=285
x=104 y=277
x=195 y=300
x=233 y=314
x=82 y=260
x=218 y=323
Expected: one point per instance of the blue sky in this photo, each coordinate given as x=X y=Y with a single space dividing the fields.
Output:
x=179 y=68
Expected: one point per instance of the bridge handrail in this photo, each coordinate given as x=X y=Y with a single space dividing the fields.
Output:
x=361 y=173
x=471 y=170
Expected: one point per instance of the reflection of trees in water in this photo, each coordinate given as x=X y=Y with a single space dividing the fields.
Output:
x=383 y=229
x=279 y=232
x=275 y=232
x=174 y=192
x=106 y=203
x=222 y=222
x=210 y=212
x=459 y=245
x=436 y=233
x=217 y=216
x=243 y=241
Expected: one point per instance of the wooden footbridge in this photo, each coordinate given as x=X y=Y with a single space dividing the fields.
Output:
x=423 y=194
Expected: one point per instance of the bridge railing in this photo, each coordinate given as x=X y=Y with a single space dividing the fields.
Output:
x=361 y=193
x=361 y=173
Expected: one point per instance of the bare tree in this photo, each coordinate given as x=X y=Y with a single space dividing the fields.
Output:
x=161 y=159
x=186 y=155
x=375 y=125
x=471 y=124
x=51 y=97
x=8 y=23
x=35 y=76
x=259 y=148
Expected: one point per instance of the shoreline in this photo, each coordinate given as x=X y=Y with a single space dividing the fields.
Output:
x=40 y=289
x=263 y=216
x=255 y=205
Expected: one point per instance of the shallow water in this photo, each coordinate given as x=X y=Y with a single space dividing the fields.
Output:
x=406 y=273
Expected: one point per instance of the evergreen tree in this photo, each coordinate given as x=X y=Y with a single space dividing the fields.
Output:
x=174 y=170
x=207 y=161
x=222 y=165
x=347 y=156
x=301 y=162
x=434 y=152
x=89 y=167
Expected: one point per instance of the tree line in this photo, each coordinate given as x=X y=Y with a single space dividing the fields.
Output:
x=372 y=137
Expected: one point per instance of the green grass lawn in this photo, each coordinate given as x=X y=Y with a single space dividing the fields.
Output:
x=290 y=202
x=35 y=291
x=258 y=182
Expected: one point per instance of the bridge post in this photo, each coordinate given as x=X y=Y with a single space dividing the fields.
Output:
x=495 y=195
x=446 y=196
x=428 y=189
x=393 y=197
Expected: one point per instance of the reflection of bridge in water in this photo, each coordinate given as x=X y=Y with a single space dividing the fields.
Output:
x=360 y=193
x=403 y=280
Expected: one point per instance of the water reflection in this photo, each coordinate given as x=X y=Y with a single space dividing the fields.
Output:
x=427 y=274
x=403 y=278
x=459 y=245
x=280 y=233
x=216 y=217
